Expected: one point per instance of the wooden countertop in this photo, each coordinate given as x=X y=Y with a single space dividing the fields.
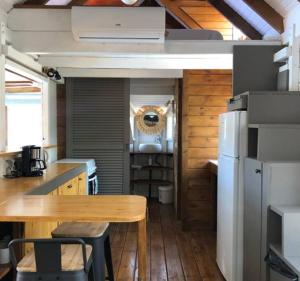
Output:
x=20 y=186
x=20 y=200
x=109 y=208
x=18 y=205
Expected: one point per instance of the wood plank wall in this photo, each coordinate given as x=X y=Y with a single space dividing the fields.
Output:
x=205 y=95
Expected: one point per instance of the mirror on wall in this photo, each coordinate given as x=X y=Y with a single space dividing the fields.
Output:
x=150 y=120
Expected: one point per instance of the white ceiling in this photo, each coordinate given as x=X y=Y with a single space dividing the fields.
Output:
x=253 y=18
x=137 y=101
x=283 y=7
x=6 y=5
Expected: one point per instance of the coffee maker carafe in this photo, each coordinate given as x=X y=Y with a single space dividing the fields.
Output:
x=32 y=162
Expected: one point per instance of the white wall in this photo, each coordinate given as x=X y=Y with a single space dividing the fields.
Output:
x=292 y=19
x=52 y=121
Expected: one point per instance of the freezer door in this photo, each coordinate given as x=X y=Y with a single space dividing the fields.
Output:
x=227 y=217
x=229 y=133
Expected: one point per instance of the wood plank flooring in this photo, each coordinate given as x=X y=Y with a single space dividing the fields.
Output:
x=173 y=255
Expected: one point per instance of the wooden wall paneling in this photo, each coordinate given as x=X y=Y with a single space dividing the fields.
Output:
x=61 y=121
x=178 y=145
x=205 y=96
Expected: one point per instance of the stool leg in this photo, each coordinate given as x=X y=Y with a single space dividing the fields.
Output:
x=108 y=259
x=98 y=260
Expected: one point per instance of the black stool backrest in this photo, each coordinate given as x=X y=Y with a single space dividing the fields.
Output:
x=48 y=253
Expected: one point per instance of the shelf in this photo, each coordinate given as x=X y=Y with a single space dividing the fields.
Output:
x=157 y=153
x=293 y=262
x=282 y=55
x=274 y=126
x=153 y=181
x=285 y=210
x=153 y=167
x=4 y=270
x=156 y=168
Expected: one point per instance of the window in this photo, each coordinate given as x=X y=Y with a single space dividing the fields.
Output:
x=24 y=111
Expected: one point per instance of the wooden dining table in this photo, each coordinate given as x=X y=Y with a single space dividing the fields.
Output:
x=81 y=208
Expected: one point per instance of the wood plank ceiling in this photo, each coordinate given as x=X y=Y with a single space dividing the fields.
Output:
x=199 y=15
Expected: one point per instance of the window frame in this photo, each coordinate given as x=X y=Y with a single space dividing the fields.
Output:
x=44 y=82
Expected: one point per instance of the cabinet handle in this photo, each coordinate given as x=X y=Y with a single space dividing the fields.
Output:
x=258 y=171
x=80 y=179
x=70 y=186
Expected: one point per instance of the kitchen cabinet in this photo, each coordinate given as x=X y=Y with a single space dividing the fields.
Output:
x=69 y=188
x=252 y=216
x=82 y=188
x=74 y=186
x=266 y=183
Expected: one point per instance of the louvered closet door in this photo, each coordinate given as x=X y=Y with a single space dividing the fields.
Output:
x=98 y=128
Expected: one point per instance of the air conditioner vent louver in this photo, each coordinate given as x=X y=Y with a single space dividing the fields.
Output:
x=116 y=38
x=119 y=24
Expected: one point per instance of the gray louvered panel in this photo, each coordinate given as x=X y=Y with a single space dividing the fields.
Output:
x=98 y=127
x=110 y=168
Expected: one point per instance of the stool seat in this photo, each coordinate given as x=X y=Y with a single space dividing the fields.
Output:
x=80 y=229
x=71 y=259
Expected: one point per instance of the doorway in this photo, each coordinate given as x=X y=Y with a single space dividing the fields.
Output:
x=153 y=131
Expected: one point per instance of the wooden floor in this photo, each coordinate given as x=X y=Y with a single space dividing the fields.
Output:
x=173 y=255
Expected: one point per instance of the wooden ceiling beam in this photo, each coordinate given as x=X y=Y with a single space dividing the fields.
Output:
x=236 y=19
x=20 y=90
x=76 y=3
x=267 y=13
x=35 y=2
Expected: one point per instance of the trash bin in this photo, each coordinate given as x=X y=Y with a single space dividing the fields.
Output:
x=165 y=194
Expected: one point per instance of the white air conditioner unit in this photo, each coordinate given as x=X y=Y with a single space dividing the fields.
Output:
x=119 y=24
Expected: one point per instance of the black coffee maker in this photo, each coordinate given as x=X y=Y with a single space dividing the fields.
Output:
x=32 y=162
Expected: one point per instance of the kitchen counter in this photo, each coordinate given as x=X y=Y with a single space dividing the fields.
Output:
x=55 y=175
x=25 y=200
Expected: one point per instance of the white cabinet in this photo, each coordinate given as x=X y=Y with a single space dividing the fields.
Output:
x=266 y=183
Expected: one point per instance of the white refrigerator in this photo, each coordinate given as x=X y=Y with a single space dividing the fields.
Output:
x=232 y=151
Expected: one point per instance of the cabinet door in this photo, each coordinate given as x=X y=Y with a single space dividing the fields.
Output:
x=82 y=188
x=69 y=188
x=252 y=220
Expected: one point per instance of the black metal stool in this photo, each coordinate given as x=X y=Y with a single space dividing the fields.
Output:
x=97 y=235
x=66 y=259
